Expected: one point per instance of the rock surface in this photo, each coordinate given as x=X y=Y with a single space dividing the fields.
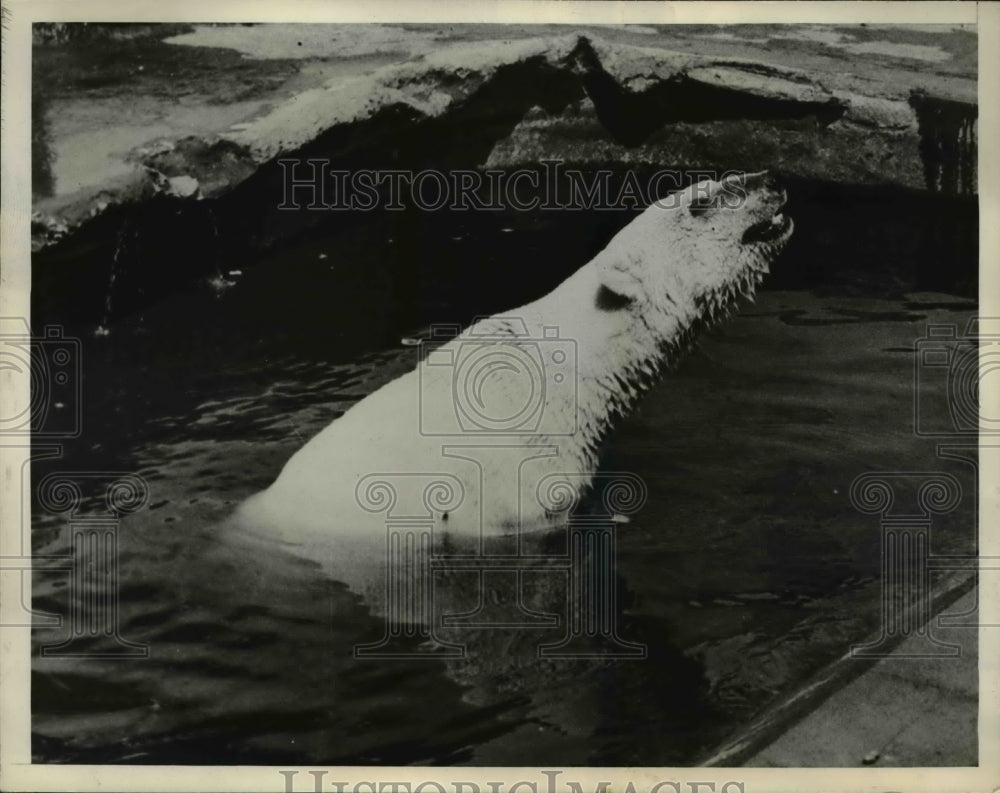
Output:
x=791 y=99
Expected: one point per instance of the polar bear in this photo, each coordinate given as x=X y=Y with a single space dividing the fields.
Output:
x=466 y=442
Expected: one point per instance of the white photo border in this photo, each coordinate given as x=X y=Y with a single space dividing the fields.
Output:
x=16 y=770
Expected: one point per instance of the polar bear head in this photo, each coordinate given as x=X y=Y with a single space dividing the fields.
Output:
x=690 y=255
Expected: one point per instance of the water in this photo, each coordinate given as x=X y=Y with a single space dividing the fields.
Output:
x=746 y=571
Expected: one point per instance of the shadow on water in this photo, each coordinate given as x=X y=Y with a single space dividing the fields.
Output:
x=415 y=266
x=746 y=570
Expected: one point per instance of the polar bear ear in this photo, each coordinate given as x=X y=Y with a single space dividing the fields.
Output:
x=618 y=288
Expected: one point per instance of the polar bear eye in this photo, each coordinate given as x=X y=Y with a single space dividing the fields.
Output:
x=701 y=205
x=610 y=300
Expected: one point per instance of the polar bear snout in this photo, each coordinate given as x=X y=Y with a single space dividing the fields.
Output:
x=759 y=210
x=742 y=209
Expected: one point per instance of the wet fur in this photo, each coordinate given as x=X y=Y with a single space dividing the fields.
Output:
x=632 y=312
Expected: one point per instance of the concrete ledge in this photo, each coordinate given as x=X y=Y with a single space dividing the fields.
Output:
x=898 y=689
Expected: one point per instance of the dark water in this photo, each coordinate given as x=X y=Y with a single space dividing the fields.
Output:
x=746 y=570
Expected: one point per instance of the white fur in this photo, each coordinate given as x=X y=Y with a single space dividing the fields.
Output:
x=630 y=311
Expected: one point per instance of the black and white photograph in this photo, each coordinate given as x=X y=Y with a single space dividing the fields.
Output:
x=587 y=391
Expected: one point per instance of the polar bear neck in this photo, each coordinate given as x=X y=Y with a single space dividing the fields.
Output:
x=623 y=351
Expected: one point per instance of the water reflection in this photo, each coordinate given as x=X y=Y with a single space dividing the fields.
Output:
x=745 y=571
